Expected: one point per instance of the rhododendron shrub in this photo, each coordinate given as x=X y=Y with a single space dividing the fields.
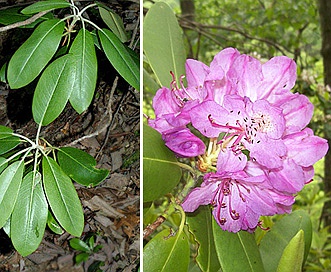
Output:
x=261 y=152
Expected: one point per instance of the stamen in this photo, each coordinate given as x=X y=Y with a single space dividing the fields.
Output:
x=222 y=221
x=214 y=124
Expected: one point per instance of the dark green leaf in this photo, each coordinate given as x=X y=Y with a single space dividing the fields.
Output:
x=200 y=224
x=13 y=15
x=29 y=216
x=45 y=5
x=7 y=140
x=95 y=266
x=80 y=166
x=237 y=251
x=119 y=57
x=292 y=257
x=281 y=234
x=53 y=224
x=167 y=252
x=3 y=73
x=62 y=197
x=81 y=257
x=5 y=132
x=85 y=59
x=95 y=39
x=3 y=164
x=163 y=43
x=114 y=22
x=161 y=174
x=78 y=244
x=90 y=242
x=53 y=90
x=34 y=54
x=10 y=182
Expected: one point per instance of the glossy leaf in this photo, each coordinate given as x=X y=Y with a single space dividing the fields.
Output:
x=119 y=57
x=200 y=224
x=114 y=22
x=45 y=5
x=53 y=90
x=78 y=244
x=163 y=43
x=95 y=39
x=150 y=85
x=281 y=234
x=80 y=166
x=29 y=216
x=53 y=224
x=6 y=227
x=237 y=251
x=10 y=182
x=84 y=56
x=5 y=132
x=34 y=54
x=62 y=197
x=167 y=252
x=3 y=164
x=292 y=257
x=13 y=15
x=7 y=140
x=3 y=73
x=161 y=174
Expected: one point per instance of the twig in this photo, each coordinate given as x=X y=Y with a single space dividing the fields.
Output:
x=24 y=23
x=111 y=123
x=134 y=34
x=152 y=227
x=99 y=131
x=201 y=28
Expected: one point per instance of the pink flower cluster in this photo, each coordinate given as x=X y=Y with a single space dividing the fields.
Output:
x=254 y=148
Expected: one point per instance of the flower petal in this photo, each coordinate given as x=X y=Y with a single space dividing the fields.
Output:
x=305 y=148
x=290 y=178
x=228 y=161
x=184 y=143
x=297 y=112
x=199 y=196
x=200 y=118
x=279 y=74
x=267 y=152
x=245 y=75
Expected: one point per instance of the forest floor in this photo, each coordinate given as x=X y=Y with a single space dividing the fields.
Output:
x=109 y=131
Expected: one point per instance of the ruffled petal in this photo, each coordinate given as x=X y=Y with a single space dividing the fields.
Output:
x=184 y=143
x=305 y=148
x=290 y=178
x=199 y=196
x=279 y=73
x=298 y=112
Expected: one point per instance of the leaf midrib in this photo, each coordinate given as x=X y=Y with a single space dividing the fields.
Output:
x=33 y=51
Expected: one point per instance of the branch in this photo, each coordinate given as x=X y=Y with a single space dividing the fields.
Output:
x=24 y=23
x=201 y=28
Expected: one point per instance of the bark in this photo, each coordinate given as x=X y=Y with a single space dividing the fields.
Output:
x=325 y=21
x=188 y=9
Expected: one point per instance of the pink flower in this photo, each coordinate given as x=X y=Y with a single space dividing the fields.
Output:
x=238 y=200
x=256 y=127
x=260 y=153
